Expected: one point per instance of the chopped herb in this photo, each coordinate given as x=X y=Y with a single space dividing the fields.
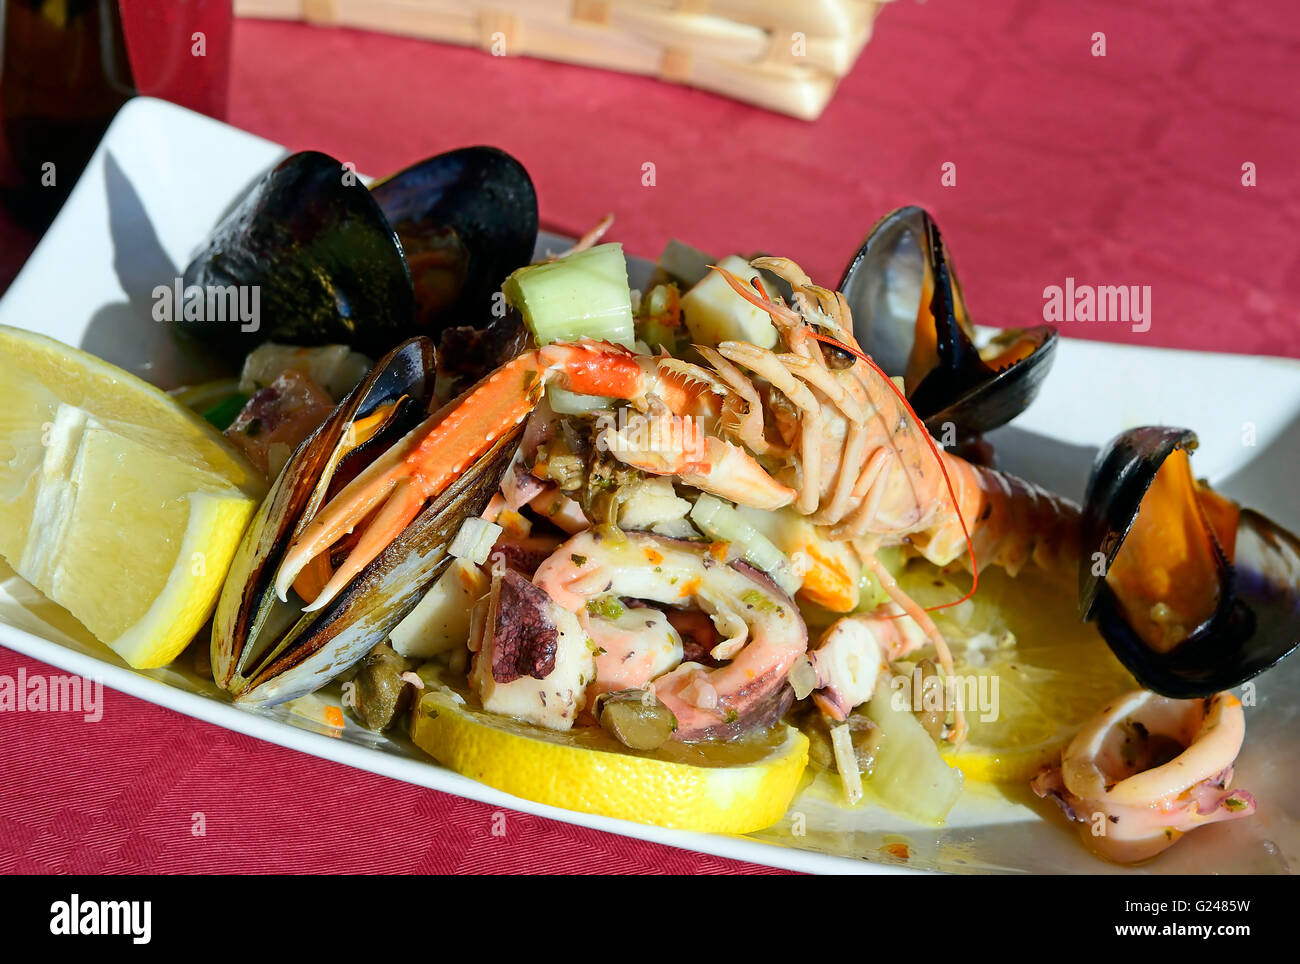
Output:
x=224 y=413
x=578 y=560
x=731 y=716
x=607 y=608
x=1235 y=803
x=756 y=600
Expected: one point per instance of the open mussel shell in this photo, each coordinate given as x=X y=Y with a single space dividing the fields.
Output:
x=314 y=245
x=950 y=381
x=466 y=219
x=265 y=651
x=1252 y=624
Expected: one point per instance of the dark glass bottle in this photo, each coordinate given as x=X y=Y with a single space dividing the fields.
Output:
x=64 y=73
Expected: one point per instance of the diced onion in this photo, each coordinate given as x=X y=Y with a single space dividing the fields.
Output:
x=802 y=677
x=717 y=520
x=565 y=402
x=846 y=762
x=474 y=540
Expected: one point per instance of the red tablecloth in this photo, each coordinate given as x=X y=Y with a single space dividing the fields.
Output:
x=1122 y=169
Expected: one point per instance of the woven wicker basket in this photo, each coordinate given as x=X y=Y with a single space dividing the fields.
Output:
x=785 y=55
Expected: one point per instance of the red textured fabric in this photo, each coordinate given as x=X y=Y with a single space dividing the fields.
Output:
x=1123 y=169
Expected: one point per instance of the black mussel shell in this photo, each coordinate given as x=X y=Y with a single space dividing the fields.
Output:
x=883 y=285
x=335 y=262
x=1257 y=621
x=326 y=264
x=327 y=642
x=264 y=651
x=466 y=219
x=994 y=402
x=1267 y=569
x=247 y=597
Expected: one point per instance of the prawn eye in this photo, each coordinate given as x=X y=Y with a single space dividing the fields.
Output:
x=837 y=356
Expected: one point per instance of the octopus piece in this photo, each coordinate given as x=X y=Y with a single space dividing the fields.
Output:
x=531 y=660
x=277 y=418
x=841 y=671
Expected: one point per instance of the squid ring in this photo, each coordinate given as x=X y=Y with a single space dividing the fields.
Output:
x=1153 y=768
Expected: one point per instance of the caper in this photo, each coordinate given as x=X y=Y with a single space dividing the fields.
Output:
x=635 y=718
x=381 y=694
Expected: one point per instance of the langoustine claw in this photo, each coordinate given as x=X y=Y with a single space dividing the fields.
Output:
x=1147 y=769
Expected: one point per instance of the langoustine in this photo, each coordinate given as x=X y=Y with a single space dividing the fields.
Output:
x=1148 y=769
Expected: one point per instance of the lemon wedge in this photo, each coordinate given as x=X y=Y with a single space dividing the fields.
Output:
x=725 y=789
x=115 y=502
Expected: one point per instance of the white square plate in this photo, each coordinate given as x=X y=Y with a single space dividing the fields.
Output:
x=162 y=178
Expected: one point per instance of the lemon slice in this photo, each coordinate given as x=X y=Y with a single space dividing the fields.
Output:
x=115 y=502
x=1043 y=701
x=724 y=789
x=1020 y=640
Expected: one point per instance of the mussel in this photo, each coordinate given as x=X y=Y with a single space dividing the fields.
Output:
x=465 y=219
x=267 y=651
x=910 y=316
x=1192 y=592
x=335 y=262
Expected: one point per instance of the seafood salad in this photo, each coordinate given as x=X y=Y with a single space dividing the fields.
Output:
x=679 y=554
